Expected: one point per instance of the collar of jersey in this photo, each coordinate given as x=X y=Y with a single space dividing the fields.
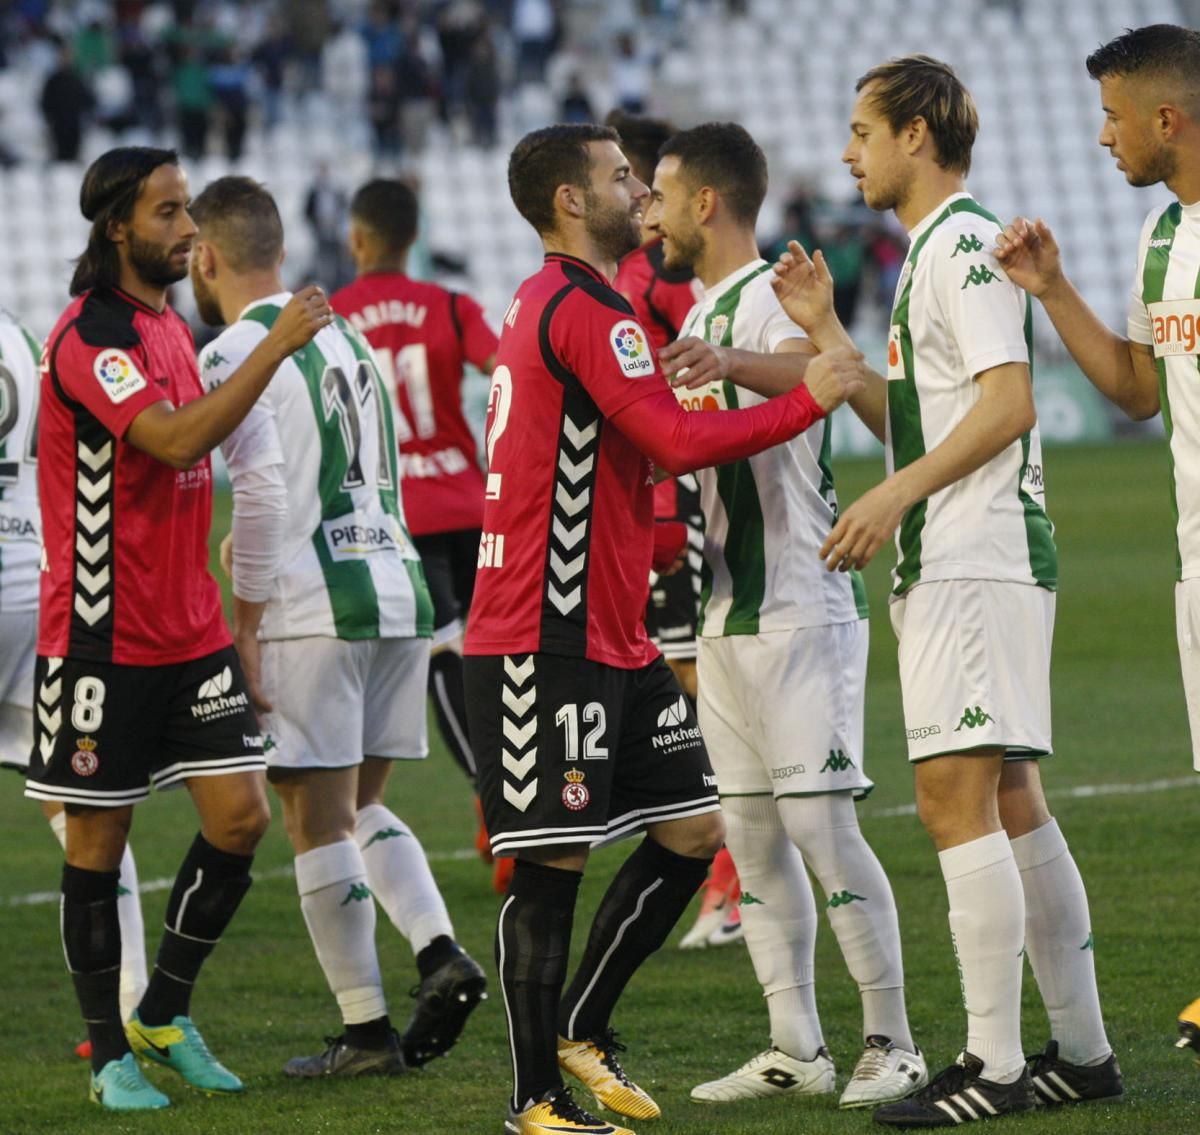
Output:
x=735 y=277
x=276 y=300
x=141 y=305
x=926 y=221
x=1192 y=211
x=582 y=264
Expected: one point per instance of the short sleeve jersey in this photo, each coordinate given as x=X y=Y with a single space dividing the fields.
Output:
x=957 y=314
x=125 y=577
x=661 y=296
x=1164 y=314
x=564 y=564
x=765 y=516
x=422 y=335
x=348 y=568
x=20 y=523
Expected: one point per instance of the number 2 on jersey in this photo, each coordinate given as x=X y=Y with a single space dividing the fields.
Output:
x=10 y=468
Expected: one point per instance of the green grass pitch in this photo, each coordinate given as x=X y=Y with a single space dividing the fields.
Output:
x=1119 y=721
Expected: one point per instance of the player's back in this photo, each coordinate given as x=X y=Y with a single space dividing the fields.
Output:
x=20 y=524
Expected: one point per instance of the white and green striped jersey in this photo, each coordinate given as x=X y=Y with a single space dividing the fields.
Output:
x=957 y=315
x=1164 y=314
x=765 y=517
x=348 y=569
x=20 y=521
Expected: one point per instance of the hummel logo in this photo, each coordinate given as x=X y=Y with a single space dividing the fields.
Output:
x=843 y=898
x=382 y=834
x=967 y=243
x=674 y=714
x=979 y=275
x=217 y=685
x=972 y=719
x=359 y=892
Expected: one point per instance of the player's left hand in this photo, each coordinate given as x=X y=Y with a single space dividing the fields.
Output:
x=804 y=287
x=864 y=528
x=251 y=660
x=692 y=362
x=225 y=554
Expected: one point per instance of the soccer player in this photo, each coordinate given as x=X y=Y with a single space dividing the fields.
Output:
x=783 y=657
x=332 y=620
x=20 y=552
x=661 y=298
x=972 y=605
x=580 y=730
x=1151 y=126
x=422 y=335
x=136 y=682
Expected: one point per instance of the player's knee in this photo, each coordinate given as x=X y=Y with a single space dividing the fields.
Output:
x=242 y=826
x=698 y=837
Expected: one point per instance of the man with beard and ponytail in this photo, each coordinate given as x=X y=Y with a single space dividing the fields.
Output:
x=137 y=683
x=581 y=732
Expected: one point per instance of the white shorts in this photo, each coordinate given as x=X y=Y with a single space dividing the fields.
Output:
x=1187 y=631
x=336 y=701
x=782 y=712
x=18 y=653
x=975 y=666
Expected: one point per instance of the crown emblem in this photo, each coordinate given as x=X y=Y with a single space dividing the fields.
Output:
x=87 y=744
x=574 y=776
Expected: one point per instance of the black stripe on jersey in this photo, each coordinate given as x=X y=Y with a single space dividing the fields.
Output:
x=454 y=318
x=585 y=280
x=92 y=564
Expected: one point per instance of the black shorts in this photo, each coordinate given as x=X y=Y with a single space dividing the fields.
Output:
x=105 y=733
x=449 y=559
x=673 y=610
x=571 y=751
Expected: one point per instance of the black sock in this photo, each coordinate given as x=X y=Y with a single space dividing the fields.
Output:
x=450 y=708
x=441 y=950
x=91 y=936
x=207 y=891
x=638 y=910
x=533 y=938
x=370 y=1034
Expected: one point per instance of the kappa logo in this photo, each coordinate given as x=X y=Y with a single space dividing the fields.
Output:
x=631 y=349
x=214 y=359
x=967 y=243
x=117 y=374
x=979 y=274
x=1161 y=242
x=674 y=714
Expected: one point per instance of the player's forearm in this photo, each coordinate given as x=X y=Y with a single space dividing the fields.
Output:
x=869 y=404
x=1102 y=355
x=259 y=524
x=681 y=441
x=246 y=618
x=768 y=375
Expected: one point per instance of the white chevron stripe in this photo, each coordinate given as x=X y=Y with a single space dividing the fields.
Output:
x=53 y=665
x=93 y=581
x=91 y=552
x=575 y=472
x=577 y=437
x=565 y=603
x=518 y=704
x=92 y=521
x=46 y=747
x=519 y=735
x=566 y=570
x=93 y=490
x=92 y=613
x=95 y=459
x=981 y=1100
x=945 y=1106
x=572 y=506
x=569 y=537
x=518 y=766
x=51 y=691
x=518 y=674
x=50 y=721
x=1059 y=1083
x=520 y=800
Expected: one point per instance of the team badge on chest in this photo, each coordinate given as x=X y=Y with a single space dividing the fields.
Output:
x=574 y=794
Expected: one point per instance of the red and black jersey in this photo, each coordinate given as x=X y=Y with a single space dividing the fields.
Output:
x=125 y=577
x=661 y=296
x=422 y=334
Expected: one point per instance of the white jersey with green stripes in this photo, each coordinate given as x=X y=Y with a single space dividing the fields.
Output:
x=957 y=315
x=20 y=521
x=765 y=517
x=348 y=569
x=1164 y=314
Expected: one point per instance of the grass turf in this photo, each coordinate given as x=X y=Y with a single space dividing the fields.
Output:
x=1119 y=720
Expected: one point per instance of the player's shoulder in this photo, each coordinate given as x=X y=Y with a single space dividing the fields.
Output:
x=1164 y=214
x=967 y=228
x=221 y=356
x=105 y=318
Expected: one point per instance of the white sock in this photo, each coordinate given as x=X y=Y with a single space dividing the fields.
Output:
x=340 y=915
x=129 y=913
x=400 y=877
x=1058 y=939
x=987 y=927
x=779 y=916
x=860 y=906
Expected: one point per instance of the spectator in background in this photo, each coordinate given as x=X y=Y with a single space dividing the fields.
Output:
x=798 y=223
x=270 y=58
x=383 y=111
x=193 y=99
x=325 y=209
x=576 y=107
x=630 y=70
x=483 y=89
x=418 y=86
x=844 y=253
x=309 y=26
x=66 y=102
x=459 y=25
x=535 y=30
x=142 y=63
x=229 y=79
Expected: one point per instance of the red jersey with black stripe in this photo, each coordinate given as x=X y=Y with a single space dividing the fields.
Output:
x=661 y=296
x=569 y=515
x=422 y=335
x=125 y=573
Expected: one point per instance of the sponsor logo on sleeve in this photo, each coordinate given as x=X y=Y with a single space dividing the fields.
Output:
x=118 y=376
x=1175 y=324
x=631 y=348
x=895 y=367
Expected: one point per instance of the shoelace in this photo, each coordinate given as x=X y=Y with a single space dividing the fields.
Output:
x=872 y=1064
x=945 y=1083
x=563 y=1105
x=128 y=1076
x=609 y=1046
x=192 y=1035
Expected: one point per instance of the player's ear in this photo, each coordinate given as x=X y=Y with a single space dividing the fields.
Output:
x=569 y=198
x=915 y=134
x=205 y=258
x=704 y=204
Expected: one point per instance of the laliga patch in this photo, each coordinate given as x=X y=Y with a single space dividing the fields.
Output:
x=631 y=347
x=574 y=794
x=117 y=375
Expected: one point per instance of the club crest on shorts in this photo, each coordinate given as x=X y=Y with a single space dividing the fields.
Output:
x=85 y=762
x=574 y=794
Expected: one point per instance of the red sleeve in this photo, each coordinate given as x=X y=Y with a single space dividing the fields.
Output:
x=110 y=381
x=681 y=441
x=478 y=339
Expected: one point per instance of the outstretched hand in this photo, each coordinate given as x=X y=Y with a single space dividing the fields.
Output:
x=804 y=287
x=1029 y=255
